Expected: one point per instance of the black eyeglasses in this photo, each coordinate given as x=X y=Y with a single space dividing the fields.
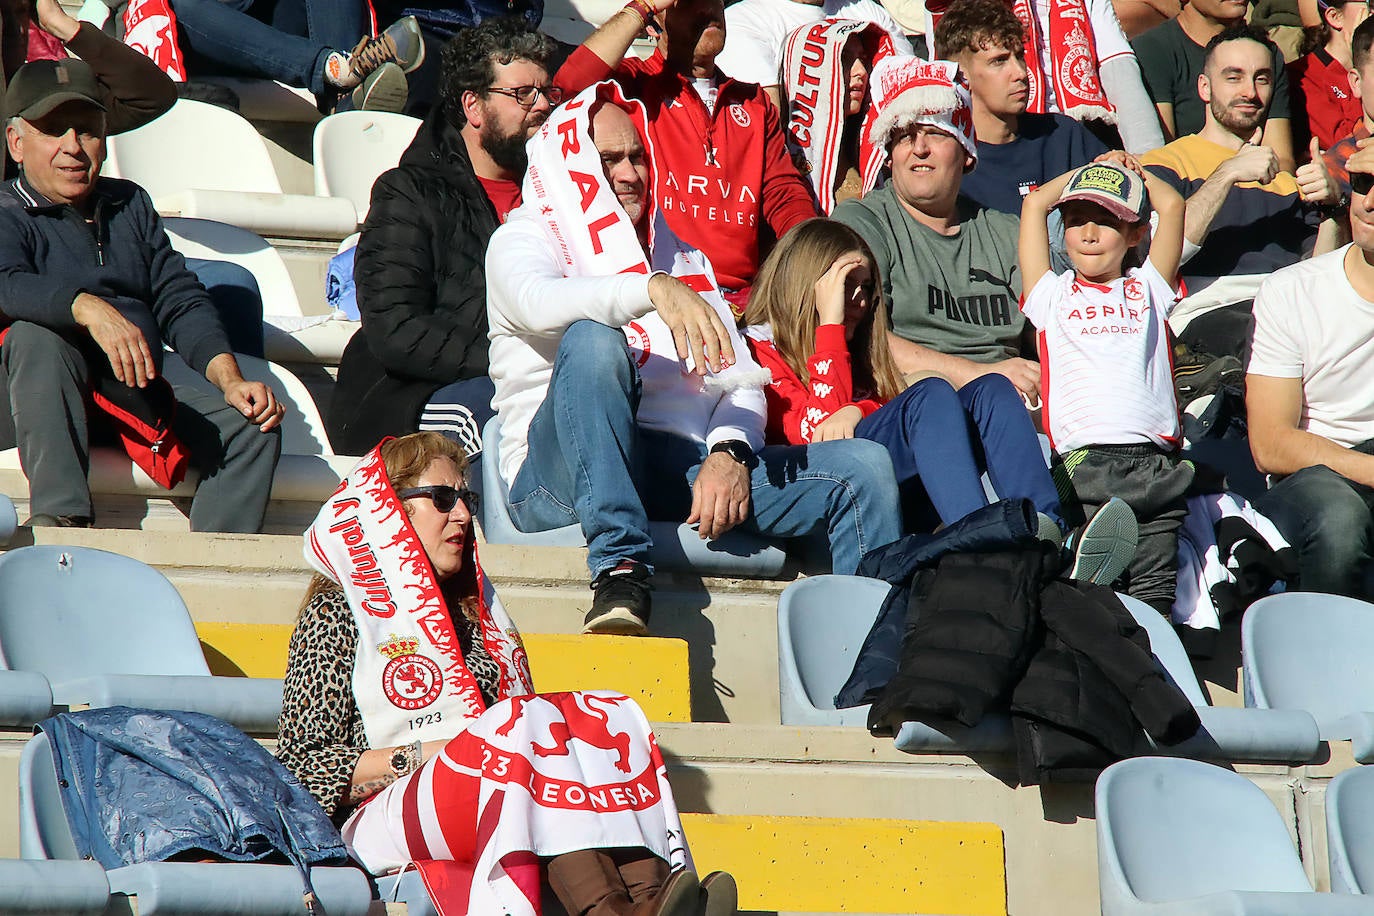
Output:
x=526 y=96
x=1361 y=183
x=445 y=497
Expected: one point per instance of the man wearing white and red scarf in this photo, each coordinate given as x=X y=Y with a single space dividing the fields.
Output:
x=719 y=145
x=607 y=428
x=825 y=67
x=485 y=781
x=1080 y=64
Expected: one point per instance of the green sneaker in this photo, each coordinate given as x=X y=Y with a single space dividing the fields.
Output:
x=1105 y=546
x=385 y=89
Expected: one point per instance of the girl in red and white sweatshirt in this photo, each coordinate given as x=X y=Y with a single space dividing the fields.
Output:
x=818 y=322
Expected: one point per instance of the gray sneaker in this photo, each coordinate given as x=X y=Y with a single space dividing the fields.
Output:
x=400 y=43
x=385 y=89
x=1105 y=546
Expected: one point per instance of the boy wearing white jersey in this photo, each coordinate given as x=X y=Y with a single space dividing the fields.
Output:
x=1106 y=374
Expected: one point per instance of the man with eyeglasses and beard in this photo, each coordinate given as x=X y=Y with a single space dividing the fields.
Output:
x=1309 y=405
x=1245 y=217
x=420 y=360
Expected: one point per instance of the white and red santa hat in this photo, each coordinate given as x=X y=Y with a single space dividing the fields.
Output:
x=908 y=91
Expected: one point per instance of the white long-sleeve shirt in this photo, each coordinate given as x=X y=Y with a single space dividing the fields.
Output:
x=530 y=303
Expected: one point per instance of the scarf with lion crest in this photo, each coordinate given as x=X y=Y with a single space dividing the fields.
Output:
x=409 y=678
x=1073 y=60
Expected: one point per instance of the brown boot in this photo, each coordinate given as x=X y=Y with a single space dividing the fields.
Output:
x=719 y=894
x=588 y=884
x=642 y=871
x=679 y=895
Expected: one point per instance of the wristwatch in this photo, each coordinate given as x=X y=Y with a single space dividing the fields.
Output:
x=738 y=450
x=405 y=759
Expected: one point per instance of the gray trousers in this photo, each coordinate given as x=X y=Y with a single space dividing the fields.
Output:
x=44 y=405
x=1155 y=485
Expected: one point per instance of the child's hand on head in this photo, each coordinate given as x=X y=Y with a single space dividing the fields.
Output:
x=830 y=288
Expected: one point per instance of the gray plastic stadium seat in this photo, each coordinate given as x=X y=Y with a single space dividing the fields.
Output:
x=107 y=630
x=822 y=624
x=36 y=888
x=1315 y=653
x=677 y=547
x=177 y=888
x=1350 y=831
x=1227 y=733
x=1183 y=837
x=25 y=698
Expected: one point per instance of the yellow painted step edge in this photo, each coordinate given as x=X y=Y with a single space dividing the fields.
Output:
x=854 y=865
x=652 y=671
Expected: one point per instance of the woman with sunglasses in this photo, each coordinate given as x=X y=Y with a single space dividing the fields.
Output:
x=409 y=714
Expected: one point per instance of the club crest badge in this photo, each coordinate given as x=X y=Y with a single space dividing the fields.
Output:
x=410 y=681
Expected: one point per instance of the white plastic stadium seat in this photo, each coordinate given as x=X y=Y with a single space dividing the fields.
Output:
x=215 y=241
x=352 y=148
x=203 y=161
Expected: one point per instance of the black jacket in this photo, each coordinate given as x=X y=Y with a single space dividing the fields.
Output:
x=48 y=254
x=422 y=291
x=992 y=632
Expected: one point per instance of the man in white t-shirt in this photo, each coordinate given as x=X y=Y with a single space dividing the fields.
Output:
x=756 y=29
x=1310 y=405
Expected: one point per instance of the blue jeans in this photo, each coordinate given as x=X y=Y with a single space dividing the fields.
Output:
x=589 y=463
x=1327 y=520
x=286 y=40
x=937 y=434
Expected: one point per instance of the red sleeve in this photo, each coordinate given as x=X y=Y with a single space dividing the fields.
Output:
x=786 y=198
x=794 y=408
x=785 y=396
x=582 y=69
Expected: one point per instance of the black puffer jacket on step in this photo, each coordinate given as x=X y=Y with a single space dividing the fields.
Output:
x=992 y=632
x=422 y=291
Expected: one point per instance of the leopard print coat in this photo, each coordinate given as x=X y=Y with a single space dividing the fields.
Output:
x=320 y=733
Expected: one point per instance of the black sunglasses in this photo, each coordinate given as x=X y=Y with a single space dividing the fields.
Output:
x=1361 y=183
x=445 y=497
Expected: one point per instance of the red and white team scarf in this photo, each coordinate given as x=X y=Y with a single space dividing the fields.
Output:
x=410 y=680
x=150 y=27
x=534 y=777
x=817 y=99
x=566 y=192
x=1073 y=56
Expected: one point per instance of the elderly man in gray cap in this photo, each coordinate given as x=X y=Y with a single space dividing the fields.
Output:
x=90 y=289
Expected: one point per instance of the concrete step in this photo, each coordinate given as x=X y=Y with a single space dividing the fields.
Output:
x=652 y=671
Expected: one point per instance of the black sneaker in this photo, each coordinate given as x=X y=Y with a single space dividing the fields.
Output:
x=1105 y=546
x=621 y=603
x=58 y=521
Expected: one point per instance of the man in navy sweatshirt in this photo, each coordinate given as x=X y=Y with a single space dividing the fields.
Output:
x=89 y=290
